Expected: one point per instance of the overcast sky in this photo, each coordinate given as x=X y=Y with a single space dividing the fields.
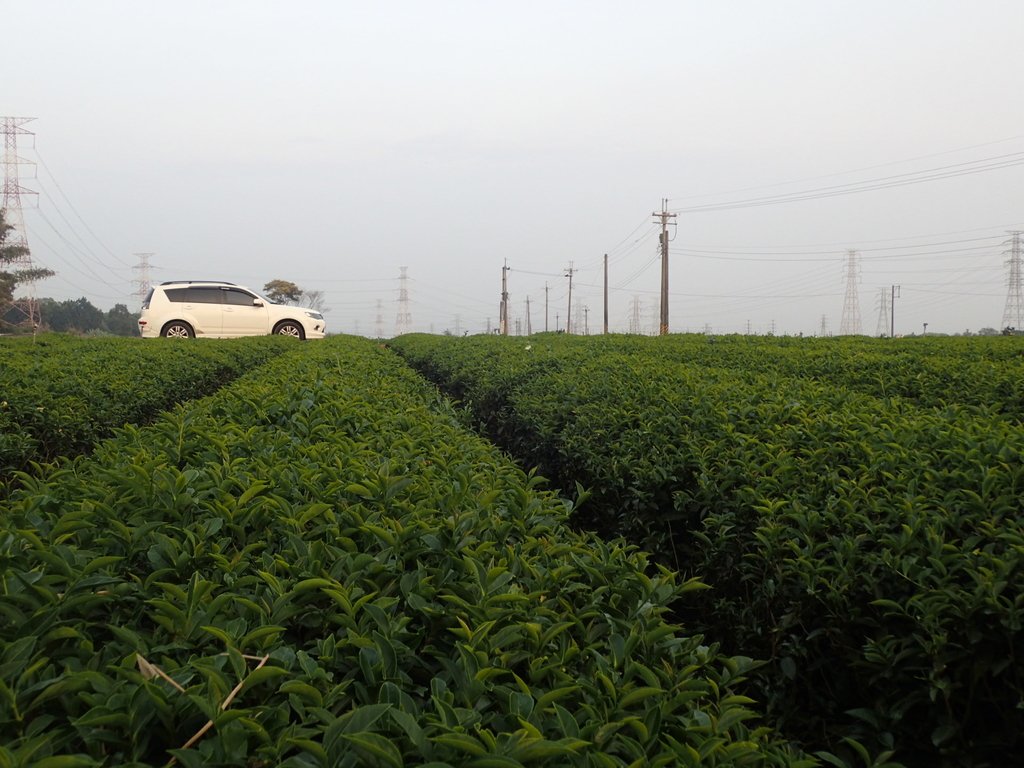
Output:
x=331 y=143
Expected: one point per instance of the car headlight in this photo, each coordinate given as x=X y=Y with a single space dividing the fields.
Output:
x=314 y=315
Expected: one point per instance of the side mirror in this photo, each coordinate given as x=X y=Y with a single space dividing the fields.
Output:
x=257 y=302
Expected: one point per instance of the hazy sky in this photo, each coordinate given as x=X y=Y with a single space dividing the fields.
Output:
x=332 y=143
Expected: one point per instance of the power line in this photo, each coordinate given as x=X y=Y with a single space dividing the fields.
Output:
x=982 y=165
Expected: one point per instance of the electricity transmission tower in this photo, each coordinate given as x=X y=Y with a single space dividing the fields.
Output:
x=503 y=308
x=379 y=325
x=23 y=311
x=634 y=316
x=1013 y=314
x=568 y=315
x=850 y=324
x=403 y=322
x=144 y=281
x=883 y=313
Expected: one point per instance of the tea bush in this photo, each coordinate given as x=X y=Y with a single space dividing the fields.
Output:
x=868 y=545
x=324 y=564
x=60 y=394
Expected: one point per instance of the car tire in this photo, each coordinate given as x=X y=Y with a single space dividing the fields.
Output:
x=177 y=329
x=290 y=328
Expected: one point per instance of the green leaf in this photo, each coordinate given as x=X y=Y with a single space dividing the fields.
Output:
x=379 y=747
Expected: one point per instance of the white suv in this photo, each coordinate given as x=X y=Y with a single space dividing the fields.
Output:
x=184 y=309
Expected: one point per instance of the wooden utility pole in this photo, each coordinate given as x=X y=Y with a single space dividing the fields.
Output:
x=664 y=216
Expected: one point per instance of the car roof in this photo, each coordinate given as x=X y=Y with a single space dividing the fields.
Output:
x=191 y=282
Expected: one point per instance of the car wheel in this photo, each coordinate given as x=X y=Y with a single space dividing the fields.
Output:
x=290 y=328
x=178 y=329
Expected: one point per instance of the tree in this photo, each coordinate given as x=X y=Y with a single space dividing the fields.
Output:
x=71 y=315
x=121 y=322
x=282 y=292
x=10 y=253
x=315 y=300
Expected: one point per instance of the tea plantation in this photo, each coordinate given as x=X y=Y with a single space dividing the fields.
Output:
x=855 y=506
x=320 y=565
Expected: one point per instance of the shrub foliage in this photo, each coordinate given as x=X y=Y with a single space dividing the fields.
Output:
x=854 y=504
x=321 y=567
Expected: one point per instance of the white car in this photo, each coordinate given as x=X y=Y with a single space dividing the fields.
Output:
x=184 y=309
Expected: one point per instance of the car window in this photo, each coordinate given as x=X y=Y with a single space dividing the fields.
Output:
x=204 y=295
x=177 y=295
x=238 y=298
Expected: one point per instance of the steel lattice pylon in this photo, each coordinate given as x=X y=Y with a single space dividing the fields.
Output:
x=850 y=324
x=403 y=322
x=20 y=311
x=1013 y=313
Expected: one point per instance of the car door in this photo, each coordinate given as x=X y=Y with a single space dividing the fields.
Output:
x=202 y=310
x=244 y=313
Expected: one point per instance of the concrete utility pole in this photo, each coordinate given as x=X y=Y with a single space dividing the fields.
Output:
x=606 y=294
x=664 y=216
x=545 y=306
x=568 y=314
x=529 y=325
x=503 y=317
x=586 y=321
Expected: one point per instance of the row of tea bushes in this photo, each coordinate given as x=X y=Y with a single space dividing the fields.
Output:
x=324 y=564
x=985 y=374
x=981 y=374
x=870 y=548
x=60 y=394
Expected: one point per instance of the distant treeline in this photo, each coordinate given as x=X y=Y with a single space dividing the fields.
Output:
x=80 y=316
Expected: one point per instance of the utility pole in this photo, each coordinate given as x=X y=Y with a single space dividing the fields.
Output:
x=568 y=314
x=379 y=325
x=504 y=300
x=545 y=306
x=586 y=321
x=664 y=216
x=529 y=325
x=606 y=294
x=892 y=311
